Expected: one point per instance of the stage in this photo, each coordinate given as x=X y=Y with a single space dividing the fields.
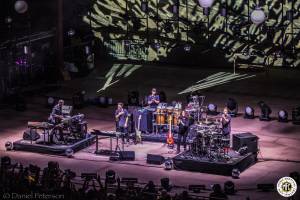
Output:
x=279 y=143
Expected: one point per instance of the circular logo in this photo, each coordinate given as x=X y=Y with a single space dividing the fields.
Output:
x=286 y=186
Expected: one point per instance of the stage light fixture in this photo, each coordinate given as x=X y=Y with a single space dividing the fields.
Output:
x=9 y=146
x=265 y=111
x=8 y=20
x=169 y=164
x=212 y=109
x=71 y=32
x=69 y=152
x=26 y=50
x=206 y=3
x=283 y=116
x=232 y=106
x=229 y=188
x=21 y=6
x=249 y=113
x=258 y=16
x=235 y=173
x=296 y=116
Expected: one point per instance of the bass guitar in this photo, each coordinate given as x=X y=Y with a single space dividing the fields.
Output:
x=138 y=133
x=170 y=139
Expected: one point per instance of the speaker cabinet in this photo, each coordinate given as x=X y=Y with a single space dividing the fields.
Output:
x=127 y=155
x=155 y=159
x=245 y=139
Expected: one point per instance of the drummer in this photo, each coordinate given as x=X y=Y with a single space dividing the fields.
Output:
x=153 y=99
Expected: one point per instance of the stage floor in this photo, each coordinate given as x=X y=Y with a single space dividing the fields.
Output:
x=279 y=143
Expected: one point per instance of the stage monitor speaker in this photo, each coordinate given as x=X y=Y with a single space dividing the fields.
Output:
x=31 y=134
x=155 y=159
x=127 y=155
x=245 y=139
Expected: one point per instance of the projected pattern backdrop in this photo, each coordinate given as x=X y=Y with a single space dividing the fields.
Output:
x=150 y=30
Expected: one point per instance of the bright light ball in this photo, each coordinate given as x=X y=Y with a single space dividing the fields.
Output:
x=206 y=3
x=21 y=7
x=258 y=16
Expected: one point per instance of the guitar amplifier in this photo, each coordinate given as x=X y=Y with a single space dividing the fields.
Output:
x=245 y=139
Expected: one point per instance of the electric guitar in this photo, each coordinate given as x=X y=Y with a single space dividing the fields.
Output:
x=138 y=133
x=170 y=139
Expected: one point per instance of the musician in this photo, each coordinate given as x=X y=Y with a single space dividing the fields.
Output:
x=183 y=124
x=121 y=116
x=226 y=122
x=153 y=99
x=56 y=116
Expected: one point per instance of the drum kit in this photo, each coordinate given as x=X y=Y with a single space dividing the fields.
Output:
x=206 y=140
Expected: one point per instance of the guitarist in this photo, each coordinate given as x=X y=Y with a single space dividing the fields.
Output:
x=121 y=116
x=183 y=124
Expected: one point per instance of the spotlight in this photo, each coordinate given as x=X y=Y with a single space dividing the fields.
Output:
x=165 y=184
x=235 y=173
x=283 y=116
x=8 y=20
x=296 y=116
x=26 y=50
x=206 y=3
x=169 y=164
x=69 y=152
x=9 y=146
x=21 y=6
x=265 y=111
x=232 y=106
x=258 y=16
x=212 y=109
x=187 y=47
x=110 y=176
x=249 y=113
x=229 y=188
x=71 y=32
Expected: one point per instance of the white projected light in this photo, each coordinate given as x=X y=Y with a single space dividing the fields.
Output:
x=206 y=3
x=258 y=16
x=21 y=7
